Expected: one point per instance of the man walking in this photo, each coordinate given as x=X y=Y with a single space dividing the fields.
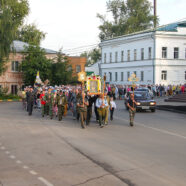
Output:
x=30 y=100
x=132 y=108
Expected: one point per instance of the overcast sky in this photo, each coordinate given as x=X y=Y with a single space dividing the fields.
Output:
x=73 y=23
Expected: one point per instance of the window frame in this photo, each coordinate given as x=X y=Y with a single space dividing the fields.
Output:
x=176 y=52
x=142 y=54
x=164 y=52
x=128 y=55
x=164 y=75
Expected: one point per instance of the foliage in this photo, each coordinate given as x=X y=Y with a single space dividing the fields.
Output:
x=92 y=57
x=62 y=71
x=128 y=16
x=35 y=60
x=9 y=96
x=30 y=34
x=12 y=14
x=3 y=91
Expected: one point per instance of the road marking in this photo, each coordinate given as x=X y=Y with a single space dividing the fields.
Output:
x=2 y=148
x=12 y=157
x=156 y=129
x=47 y=183
x=7 y=152
x=18 y=162
x=25 y=167
x=33 y=172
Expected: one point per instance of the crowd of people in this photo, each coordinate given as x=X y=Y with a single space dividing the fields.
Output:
x=118 y=91
x=56 y=101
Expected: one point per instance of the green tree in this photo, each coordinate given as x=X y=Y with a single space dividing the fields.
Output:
x=127 y=17
x=62 y=71
x=12 y=14
x=30 y=34
x=35 y=60
x=92 y=57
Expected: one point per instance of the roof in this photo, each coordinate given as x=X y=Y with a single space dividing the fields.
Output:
x=172 y=27
x=19 y=46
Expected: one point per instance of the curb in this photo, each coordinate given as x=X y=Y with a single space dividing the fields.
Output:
x=171 y=110
x=10 y=100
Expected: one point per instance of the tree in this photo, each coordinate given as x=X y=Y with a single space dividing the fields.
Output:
x=92 y=57
x=62 y=71
x=12 y=14
x=35 y=60
x=127 y=17
x=30 y=34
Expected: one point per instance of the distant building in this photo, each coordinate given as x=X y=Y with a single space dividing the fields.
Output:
x=155 y=56
x=95 y=68
x=77 y=63
x=12 y=78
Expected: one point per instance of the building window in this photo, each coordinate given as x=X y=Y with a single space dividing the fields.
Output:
x=164 y=75
x=142 y=53
x=105 y=57
x=15 y=66
x=110 y=74
x=78 y=68
x=14 y=89
x=185 y=53
x=142 y=76
x=128 y=55
x=150 y=52
x=135 y=54
x=128 y=75
x=122 y=75
x=122 y=56
x=116 y=57
x=176 y=53
x=164 y=52
x=116 y=76
x=110 y=57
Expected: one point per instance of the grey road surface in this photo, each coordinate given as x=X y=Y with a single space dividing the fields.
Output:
x=36 y=151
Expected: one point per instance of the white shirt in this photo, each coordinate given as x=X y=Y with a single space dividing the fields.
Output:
x=112 y=104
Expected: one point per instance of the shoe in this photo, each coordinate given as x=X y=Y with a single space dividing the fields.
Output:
x=131 y=124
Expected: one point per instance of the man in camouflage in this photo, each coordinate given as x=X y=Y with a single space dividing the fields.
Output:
x=82 y=104
x=132 y=108
x=61 y=102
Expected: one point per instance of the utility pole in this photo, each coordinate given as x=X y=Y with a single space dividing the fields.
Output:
x=155 y=13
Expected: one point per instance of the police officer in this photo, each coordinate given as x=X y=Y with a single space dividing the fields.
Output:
x=132 y=108
x=102 y=104
x=82 y=104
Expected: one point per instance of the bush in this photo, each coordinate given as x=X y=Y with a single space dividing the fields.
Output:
x=9 y=96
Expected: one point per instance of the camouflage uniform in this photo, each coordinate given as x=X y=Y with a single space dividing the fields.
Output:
x=82 y=110
x=61 y=102
x=50 y=104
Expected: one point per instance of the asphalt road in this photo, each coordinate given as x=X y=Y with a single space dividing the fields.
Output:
x=36 y=151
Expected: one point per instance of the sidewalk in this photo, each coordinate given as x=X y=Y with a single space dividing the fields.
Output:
x=178 y=107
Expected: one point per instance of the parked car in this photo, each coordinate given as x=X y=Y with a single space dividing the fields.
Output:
x=144 y=89
x=143 y=99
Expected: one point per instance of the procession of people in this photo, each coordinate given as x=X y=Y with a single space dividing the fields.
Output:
x=57 y=101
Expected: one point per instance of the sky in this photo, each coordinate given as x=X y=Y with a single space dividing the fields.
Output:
x=71 y=24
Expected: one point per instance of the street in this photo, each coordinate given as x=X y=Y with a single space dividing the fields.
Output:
x=36 y=151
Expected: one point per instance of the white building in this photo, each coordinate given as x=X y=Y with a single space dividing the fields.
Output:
x=156 y=56
x=95 y=68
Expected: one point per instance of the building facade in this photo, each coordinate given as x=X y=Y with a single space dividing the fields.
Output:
x=155 y=56
x=12 y=78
